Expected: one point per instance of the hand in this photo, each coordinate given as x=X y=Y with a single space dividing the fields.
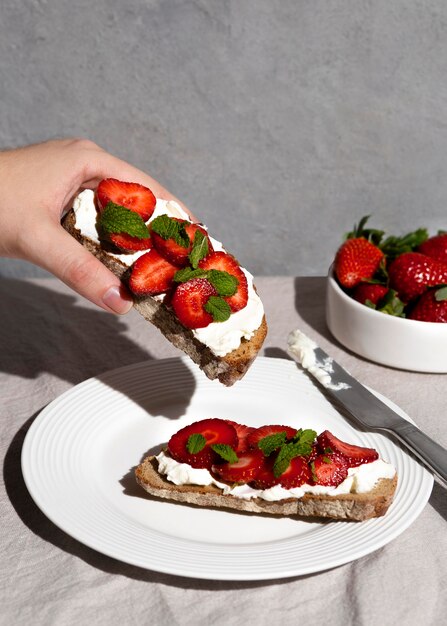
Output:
x=38 y=183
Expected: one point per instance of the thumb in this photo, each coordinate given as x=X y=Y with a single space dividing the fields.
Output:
x=59 y=253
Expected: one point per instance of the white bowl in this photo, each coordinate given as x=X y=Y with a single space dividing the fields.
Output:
x=393 y=341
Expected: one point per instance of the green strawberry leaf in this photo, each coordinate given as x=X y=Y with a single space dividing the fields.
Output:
x=371 y=234
x=441 y=294
x=117 y=219
x=394 y=246
x=391 y=304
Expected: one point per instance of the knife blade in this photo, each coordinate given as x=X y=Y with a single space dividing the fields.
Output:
x=366 y=409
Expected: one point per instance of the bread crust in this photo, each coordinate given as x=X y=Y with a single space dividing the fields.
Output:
x=227 y=369
x=350 y=506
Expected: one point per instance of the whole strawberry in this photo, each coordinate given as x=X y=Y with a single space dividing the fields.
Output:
x=366 y=293
x=412 y=273
x=435 y=247
x=356 y=260
x=431 y=306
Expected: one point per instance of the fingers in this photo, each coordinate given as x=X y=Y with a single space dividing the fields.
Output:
x=101 y=164
x=59 y=253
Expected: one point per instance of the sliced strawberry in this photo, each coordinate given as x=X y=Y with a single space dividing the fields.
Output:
x=189 y=300
x=214 y=430
x=265 y=431
x=130 y=195
x=298 y=473
x=226 y=263
x=329 y=470
x=243 y=470
x=265 y=478
x=126 y=242
x=354 y=455
x=242 y=434
x=174 y=252
x=151 y=274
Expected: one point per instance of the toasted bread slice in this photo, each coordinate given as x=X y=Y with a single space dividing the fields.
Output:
x=227 y=369
x=351 y=506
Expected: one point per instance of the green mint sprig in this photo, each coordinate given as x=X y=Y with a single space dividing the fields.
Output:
x=195 y=443
x=200 y=249
x=169 y=228
x=117 y=219
x=224 y=283
x=218 y=308
x=301 y=445
x=270 y=443
x=226 y=452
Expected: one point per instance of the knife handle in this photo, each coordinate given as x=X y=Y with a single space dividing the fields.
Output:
x=428 y=451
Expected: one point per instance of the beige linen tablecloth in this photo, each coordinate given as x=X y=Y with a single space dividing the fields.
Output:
x=51 y=340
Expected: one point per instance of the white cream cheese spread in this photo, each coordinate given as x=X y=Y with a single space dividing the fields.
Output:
x=359 y=480
x=220 y=337
x=303 y=349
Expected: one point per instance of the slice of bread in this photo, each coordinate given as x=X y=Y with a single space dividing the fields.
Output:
x=351 y=506
x=227 y=369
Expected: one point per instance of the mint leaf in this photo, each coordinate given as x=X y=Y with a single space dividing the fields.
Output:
x=224 y=283
x=305 y=437
x=218 y=308
x=199 y=250
x=195 y=443
x=226 y=452
x=170 y=228
x=270 y=443
x=187 y=273
x=282 y=461
x=117 y=219
x=301 y=445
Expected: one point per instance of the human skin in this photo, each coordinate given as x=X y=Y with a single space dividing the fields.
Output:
x=38 y=184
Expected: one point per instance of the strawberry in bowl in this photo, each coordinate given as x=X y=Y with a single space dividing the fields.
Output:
x=387 y=298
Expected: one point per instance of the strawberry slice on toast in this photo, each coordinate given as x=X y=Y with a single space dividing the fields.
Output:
x=173 y=250
x=193 y=443
x=189 y=302
x=328 y=470
x=353 y=455
x=243 y=432
x=132 y=196
x=266 y=431
x=243 y=470
x=224 y=262
x=151 y=274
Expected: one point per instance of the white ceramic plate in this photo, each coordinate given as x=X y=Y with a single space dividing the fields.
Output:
x=79 y=453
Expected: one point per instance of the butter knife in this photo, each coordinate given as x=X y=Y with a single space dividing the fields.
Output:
x=366 y=409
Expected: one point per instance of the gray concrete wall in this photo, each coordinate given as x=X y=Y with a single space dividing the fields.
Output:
x=279 y=122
